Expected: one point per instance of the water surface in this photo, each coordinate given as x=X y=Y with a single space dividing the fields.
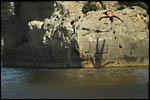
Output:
x=102 y=83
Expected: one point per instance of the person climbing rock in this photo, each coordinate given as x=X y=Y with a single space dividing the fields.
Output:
x=109 y=14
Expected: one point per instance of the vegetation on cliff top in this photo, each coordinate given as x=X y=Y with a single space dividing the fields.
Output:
x=142 y=4
x=92 y=5
x=6 y=11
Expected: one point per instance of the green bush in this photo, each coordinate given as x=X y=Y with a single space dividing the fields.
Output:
x=89 y=6
x=124 y=4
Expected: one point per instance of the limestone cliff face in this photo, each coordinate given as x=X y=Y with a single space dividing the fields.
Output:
x=58 y=34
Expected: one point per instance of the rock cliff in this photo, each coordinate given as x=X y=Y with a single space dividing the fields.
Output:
x=58 y=34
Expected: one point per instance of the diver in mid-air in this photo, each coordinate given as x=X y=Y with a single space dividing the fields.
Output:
x=109 y=14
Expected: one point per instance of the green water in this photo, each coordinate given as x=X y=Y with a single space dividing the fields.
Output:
x=103 y=83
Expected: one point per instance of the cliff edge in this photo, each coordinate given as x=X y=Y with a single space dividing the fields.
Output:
x=59 y=34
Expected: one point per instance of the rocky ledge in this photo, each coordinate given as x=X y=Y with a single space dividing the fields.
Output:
x=58 y=34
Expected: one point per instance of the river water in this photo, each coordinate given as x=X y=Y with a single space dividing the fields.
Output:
x=102 y=83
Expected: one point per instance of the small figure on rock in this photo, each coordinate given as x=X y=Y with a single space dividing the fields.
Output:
x=109 y=14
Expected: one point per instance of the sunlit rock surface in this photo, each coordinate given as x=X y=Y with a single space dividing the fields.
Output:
x=58 y=34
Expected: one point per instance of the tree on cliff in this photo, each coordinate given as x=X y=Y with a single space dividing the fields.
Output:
x=6 y=11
